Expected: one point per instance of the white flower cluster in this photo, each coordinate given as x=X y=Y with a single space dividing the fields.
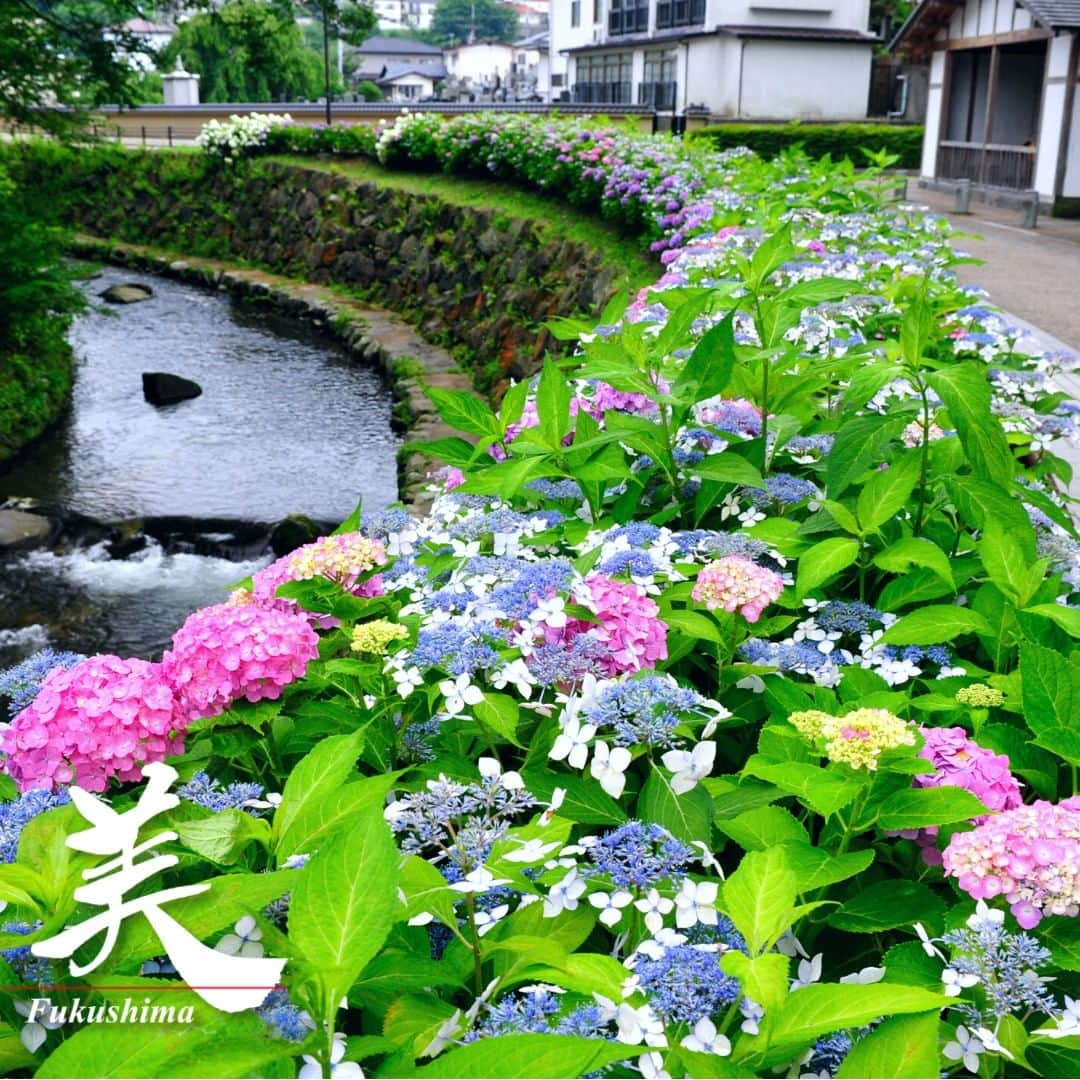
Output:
x=234 y=138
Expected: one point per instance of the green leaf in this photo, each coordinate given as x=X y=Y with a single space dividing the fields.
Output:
x=824 y=1007
x=553 y=404
x=770 y=255
x=822 y=791
x=917 y=808
x=903 y=1046
x=528 y=1057
x=759 y=897
x=586 y=973
x=1055 y=1058
x=687 y=816
x=916 y=551
x=693 y=624
x=1049 y=687
x=755 y=830
x=981 y=502
x=343 y=902
x=1068 y=618
x=319 y=818
x=463 y=411
x=1003 y=558
x=500 y=713
x=861 y=443
x=325 y=768
x=889 y=904
x=585 y=801
x=966 y=392
x=506 y=478
x=763 y=979
x=824 y=561
x=451 y=451
x=222 y=837
x=707 y=370
x=816 y=868
x=727 y=468
x=886 y=493
x=930 y=625
x=908 y=963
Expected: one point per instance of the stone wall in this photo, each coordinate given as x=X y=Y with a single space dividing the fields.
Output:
x=470 y=278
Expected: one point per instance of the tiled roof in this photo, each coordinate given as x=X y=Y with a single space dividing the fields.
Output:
x=389 y=46
x=1055 y=14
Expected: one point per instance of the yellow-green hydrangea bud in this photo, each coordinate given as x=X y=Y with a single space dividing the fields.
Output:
x=809 y=723
x=979 y=696
x=859 y=738
x=376 y=636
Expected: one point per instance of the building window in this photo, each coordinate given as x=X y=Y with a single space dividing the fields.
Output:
x=628 y=17
x=671 y=13
x=596 y=11
x=604 y=79
x=659 y=88
x=575 y=12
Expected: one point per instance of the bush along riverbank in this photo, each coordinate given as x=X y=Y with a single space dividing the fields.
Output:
x=716 y=721
x=480 y=281
x=37 y=299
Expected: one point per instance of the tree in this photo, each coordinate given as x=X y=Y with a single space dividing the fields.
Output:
x=60 y=58
x=484 y=20
x=246 y=50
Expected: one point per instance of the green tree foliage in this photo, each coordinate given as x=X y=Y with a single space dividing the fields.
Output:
x=483 y=19
x=246 y=50
x=65 y=53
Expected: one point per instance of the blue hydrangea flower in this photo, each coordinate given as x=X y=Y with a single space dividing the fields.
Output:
x=643 y=711
x=20 y=684
x=203 y=791
x=15 y=815
x=686 y=983
x=638 y=854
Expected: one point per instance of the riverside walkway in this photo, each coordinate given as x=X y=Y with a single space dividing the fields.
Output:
x=1034 y=274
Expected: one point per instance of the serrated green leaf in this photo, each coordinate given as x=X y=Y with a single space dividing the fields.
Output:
x=823 y=562
x=933 y=624
x=903 y=1046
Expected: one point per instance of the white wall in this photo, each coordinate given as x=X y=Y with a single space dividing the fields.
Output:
x=422 y=87
x=1071 y=187
x=1053 y=111
x=481 y=62
x=805 y=80
x=713 y=75
x=565 y=36
x=834 y=14
x=934 y=102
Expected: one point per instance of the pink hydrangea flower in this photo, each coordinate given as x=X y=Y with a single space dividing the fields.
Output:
x=102 y=718
x=736 y=583
x=959 y=761
x=344 y=558
x=629 y=625
x=227 y=652
x=1030 y=855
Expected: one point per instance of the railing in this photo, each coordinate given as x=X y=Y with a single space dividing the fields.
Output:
x=990 y=164
x=602 y=93
x=631 y=18
x=670 y=13
x=658 y=95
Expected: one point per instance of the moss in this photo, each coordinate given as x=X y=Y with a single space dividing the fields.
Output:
x=34 y=387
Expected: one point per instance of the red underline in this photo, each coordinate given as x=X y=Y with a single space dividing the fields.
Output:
x=155 y=986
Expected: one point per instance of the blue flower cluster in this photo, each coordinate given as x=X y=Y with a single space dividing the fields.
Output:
x=686 y=983
x=531 y=582
x=564 y=663
x=642 y=711
x=535 y=1012
x=783 y=488
x=203 y=791
x=283 y=1018
x=460 y=650
x=15 y=814
x=638 y=854
x=29 y=968
x=20 y=684
x=1005 y=965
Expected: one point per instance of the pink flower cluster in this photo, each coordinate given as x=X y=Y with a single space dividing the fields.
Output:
x=226 y=652
x=1030 y=855
x=606 y=398
x=343 y=558
x=104 y=717
x=635 y=637
x=736 y=583
x=961 y=762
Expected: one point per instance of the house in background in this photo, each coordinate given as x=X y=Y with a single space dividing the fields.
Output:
x=403 y=14
x=1002 y=109
x=154 y=35
x=746 y=59
x=480 y=66
x=410 y=82
x=531 y=71
x=377 y=53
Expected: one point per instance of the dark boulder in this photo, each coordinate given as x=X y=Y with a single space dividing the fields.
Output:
x=161 y=388
x=293 y=532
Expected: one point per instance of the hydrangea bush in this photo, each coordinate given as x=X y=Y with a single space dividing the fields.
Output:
x=718 y=720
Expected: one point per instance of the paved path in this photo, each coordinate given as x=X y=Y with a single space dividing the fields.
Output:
x=1033 y=274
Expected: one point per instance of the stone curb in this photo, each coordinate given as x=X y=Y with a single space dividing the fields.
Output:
x=371 y=335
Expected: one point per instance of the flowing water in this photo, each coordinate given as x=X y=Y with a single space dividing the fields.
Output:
x=286 y=424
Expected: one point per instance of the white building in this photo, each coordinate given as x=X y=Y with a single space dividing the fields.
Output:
x=751 y=59
x=403 y=14
x=1002 y=110
x=481 y=65
x=154 y=36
